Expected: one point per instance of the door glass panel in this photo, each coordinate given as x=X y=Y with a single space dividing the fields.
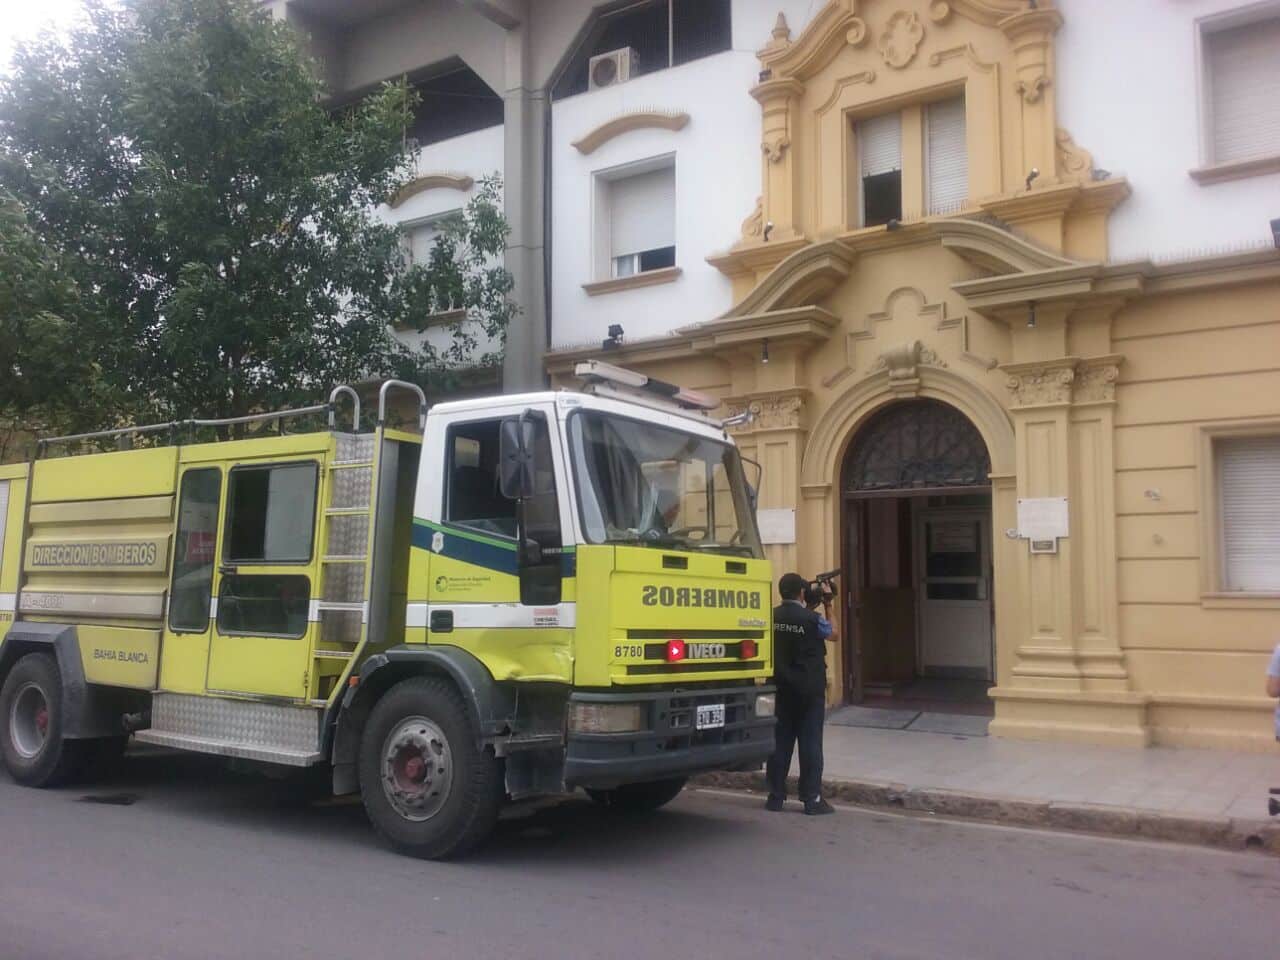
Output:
x=953 y=548
x=194 y=550
x=271 y=606
x=472 y=498
x=271 y=513
x=952 y=591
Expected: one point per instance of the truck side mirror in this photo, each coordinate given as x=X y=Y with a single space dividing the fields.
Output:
x=515 y=458
x=754 y=473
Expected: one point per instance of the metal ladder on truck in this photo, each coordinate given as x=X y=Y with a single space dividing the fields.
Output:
x=352 y=610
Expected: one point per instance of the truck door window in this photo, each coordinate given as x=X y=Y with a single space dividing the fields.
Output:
x=194 y=550
x=472 y=498
x=271 y=514
x=264 y=606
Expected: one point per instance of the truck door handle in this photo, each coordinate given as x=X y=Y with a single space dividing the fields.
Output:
x=227 y=569
x=441 y=621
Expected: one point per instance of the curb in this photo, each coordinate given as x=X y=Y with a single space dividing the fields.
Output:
x=1225 y=833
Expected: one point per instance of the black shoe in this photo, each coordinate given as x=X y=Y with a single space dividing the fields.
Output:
x=774 y=803
x=817 y=807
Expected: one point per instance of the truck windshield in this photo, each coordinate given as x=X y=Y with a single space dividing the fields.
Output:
x=654 y=486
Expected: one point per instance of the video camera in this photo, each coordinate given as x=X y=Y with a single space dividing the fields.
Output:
x=813 y=591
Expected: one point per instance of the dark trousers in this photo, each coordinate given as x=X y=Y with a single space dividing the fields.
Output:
x=799 y=718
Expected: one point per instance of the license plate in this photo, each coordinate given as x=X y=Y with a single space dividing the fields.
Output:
x=710 y=716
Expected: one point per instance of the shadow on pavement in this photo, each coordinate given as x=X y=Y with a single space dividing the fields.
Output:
x=296 y=803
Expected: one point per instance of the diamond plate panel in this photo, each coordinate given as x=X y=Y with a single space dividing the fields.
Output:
x=351 y=487
x=343 y=583
x=245 y=722
x=348 y=535
x=355 y=446
x=340 y=626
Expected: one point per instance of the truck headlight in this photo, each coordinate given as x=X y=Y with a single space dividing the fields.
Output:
x=606 y=717
x=766 y=704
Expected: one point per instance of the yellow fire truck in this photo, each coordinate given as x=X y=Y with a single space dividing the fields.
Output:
x=527 y=595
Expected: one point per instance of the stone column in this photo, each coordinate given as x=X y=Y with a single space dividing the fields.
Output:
x=781 y=198
x=524 y=133
x=1068 y=678
x=1031 y=33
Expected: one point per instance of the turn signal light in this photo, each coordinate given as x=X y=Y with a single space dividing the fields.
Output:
x=748 y=649
x=675 y=651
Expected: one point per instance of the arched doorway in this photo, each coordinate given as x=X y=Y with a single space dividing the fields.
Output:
x=917 y=557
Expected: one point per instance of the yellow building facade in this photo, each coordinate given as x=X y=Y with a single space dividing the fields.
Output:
x=932 y=396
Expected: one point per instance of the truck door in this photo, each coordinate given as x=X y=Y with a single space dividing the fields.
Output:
x=261 y=640
x=185 y=657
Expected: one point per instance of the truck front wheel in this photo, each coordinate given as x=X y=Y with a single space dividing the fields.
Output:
x=35 y=752
x=427 y=789
x=639 y=797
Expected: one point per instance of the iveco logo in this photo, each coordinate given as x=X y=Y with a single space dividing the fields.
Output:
x=705 y=651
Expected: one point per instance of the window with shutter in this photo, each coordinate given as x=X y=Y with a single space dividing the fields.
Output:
x=1242 y=82
x=878 y=141
x=947 y=177
x=642 y=222
x=1249 y=482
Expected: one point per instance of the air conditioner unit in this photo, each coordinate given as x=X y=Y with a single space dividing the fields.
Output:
x=609 y=69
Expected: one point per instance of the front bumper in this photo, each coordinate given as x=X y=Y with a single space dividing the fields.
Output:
x=670 y=747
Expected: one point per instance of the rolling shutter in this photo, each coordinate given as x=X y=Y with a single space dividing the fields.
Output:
x=642 y=211
x=948 y=174
x=879 y=143
x=1244 y=90
x=1249 y=478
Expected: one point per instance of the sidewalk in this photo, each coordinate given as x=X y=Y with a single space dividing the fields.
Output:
x=1193 y=796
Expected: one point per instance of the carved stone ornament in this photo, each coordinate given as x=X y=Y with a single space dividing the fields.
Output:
x=1096 y=381
x=902 y=362
x=1074 y=161
x=939 y=11
x=856 y=35
x=901 y=39
x=1032 y=90
x=782 y=412
x=753 y=226
x=775 y=148
x=1041 y=385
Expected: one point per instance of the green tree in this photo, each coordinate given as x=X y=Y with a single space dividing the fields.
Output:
x=213 y=222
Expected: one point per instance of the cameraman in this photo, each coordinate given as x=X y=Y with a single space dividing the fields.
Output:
x=800 y=671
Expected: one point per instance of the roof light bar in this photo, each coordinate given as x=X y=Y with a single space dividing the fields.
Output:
x=596 y=371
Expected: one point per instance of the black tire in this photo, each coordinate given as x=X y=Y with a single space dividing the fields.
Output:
x=56 y=760
x=468 y=805
x=639 y=797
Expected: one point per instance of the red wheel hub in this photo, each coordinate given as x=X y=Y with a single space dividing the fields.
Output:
x=42 y=721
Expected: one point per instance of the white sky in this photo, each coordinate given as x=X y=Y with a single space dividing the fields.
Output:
x=23 y=19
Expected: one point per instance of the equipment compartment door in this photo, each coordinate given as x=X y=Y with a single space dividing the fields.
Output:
x=264 y=584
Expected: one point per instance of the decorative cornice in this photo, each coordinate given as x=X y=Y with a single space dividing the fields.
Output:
x=834 y=26
x=432 y=181
x=637 y=120
x=807 y=325
x=804 y=277
x=992 y=248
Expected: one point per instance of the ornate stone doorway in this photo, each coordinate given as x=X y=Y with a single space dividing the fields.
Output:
x=917 y=556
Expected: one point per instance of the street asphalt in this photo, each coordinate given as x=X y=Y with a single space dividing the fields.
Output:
x=183 y=857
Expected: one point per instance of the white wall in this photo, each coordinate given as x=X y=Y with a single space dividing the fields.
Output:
x=1127 y=92
x=475 y=155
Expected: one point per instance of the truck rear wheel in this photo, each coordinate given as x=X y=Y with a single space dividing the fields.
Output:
x=639 y=797
x=35 y=752
x=426 y=788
